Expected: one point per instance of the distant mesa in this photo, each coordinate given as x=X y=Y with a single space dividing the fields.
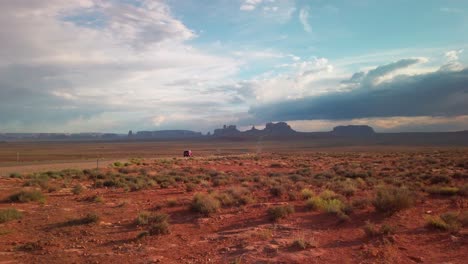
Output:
x=229 y=131
x=167 y=134
x=353 y=131
x=280 y=128
x=271 y=129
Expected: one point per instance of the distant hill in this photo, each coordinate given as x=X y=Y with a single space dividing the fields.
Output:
x=351 y=135
x=167 y=134
x=353 y=131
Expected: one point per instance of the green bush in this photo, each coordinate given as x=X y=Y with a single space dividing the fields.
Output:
x=333 y=206
x=280 y=212
x=27 y=196
x=205 y=204
x=391 y=200
x=306 y=193
x=9 y=214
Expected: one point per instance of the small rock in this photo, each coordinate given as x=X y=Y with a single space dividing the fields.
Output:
x=271 y=249
x=416 y=259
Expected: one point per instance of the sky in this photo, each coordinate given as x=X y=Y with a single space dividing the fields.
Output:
x=116 y=65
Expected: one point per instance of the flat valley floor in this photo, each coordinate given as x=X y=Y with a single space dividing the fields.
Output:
x=236 y=202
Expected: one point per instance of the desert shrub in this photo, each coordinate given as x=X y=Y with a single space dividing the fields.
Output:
x=443 y=190
x=16 y=175
x=333 y=206
x=240 y=195
x=361 y=203
x=30 y=246
x=236 y=196
x=447 y=222
x=328 y=194
x=438 y=179
x=90 y=218
x=293 y=196
x=98 y=199
x=160 y=228
x=296 y=177
x=190 y=187
x=9 y=214
x=392 y=200
x=172 y=202
x=118 y=164
x=158 y=223
x=306 y=193
x=142 y=218
x=77 y=189
x=276 y=165
x=463 y=190
x=41 y=180
x=371 y=230
x=302 y=244
x=277 y=191
x=142 y=234
x=280 y=212
x=463 y=218
x=27 y=196
x=347 y=188
x=205 y=204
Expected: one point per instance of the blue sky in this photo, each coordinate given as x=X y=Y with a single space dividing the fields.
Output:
x=111 y=66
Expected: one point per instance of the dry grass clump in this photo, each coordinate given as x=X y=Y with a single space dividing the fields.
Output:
x=302 y=243
x=158 y=223
x=9 y=214
x=90 y=218
x=236 y=196
x=306 y=193
x=205 y=204
x=390 y=200
x=26 y=196
x=329 y=202
x=451 y=221
x=372 y=230
x=443 y=190
x=77 y=189
x=280 y=212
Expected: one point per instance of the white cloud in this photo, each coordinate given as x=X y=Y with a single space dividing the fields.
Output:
x=453 y=55
x=304 y=18
x=249 y=5
x=52 y=63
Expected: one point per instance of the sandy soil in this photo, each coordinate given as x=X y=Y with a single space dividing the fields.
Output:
x=242 y=233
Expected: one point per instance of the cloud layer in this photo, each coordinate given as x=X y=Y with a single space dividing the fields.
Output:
x=440 y=93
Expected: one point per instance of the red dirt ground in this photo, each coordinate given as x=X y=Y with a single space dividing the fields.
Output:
x=243 y=234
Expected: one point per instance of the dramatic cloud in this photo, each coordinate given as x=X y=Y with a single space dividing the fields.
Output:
x=441 y=93
x=56 y=69
x=93 y=65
